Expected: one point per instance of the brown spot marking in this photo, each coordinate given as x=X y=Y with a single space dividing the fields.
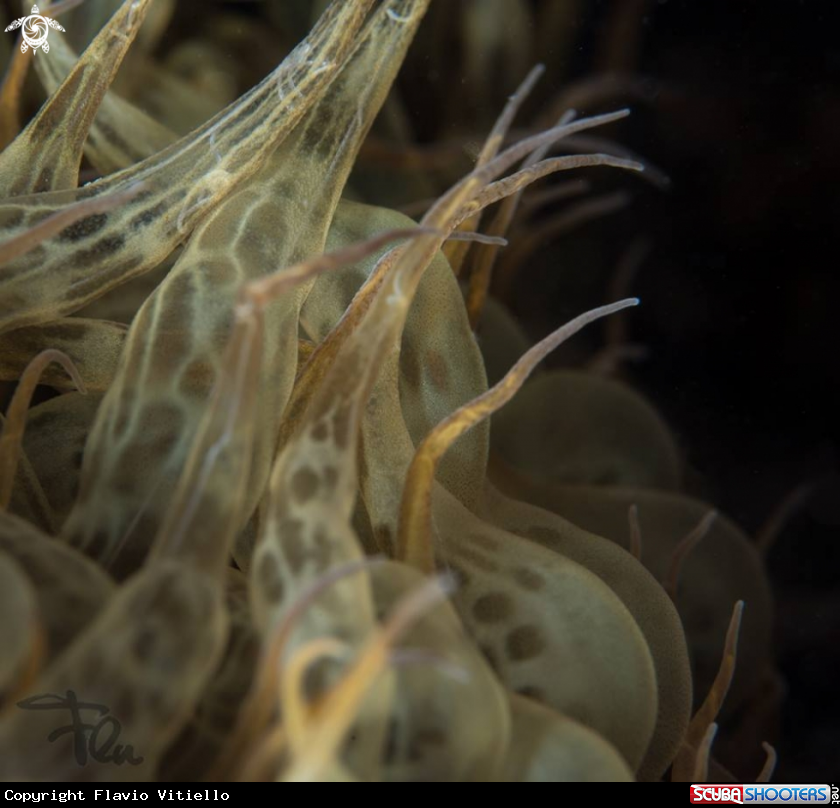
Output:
x=197 y=378
x=154 y=699
x=287 y=189
x=78 y=601
x=438 y=371
x=171 y=318
x=315 y=142
x=270 y=579
x=341 y=427
x=50 y=119
x=123 y=420
x=305 y=484
x=13 y=219
x=45 y=179
x=523 y=643
x=321 y=431
x=102 y=249
x=143 y=643
x=173 y=346
x=421 y=740
x=474 y=558
x=291 y=534
x=493 y=608
x=157 y=417
x=40 y=574
x=124 y=479
x=11 y=302
x=383 y=536
x=84 y=227
x=165 y=445
x=490 y=655
x=91 y=667
x=431 y=737
x=330 y=477
x=484 y=541
x=391 y=741
x=218 y=272
x=321 y=552
x=169 y=602
x=528 y=579
x=146 y=217
x=410 y=366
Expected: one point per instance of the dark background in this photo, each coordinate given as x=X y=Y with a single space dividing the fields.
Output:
x=739 y=302
x=740 y=106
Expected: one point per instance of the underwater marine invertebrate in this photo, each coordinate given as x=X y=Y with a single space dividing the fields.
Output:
x=248 y=441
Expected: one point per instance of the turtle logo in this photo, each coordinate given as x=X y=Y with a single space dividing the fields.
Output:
x=36 y=28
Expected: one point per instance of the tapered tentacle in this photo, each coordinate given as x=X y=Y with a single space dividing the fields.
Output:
x=415 y=536
x=10 y=441
x=46 y=157
x=182 y=185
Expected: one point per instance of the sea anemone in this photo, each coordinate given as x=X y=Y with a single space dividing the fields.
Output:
x=261 y=518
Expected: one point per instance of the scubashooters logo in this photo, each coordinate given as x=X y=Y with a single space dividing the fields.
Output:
x=765 y=794
x=36 y=29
